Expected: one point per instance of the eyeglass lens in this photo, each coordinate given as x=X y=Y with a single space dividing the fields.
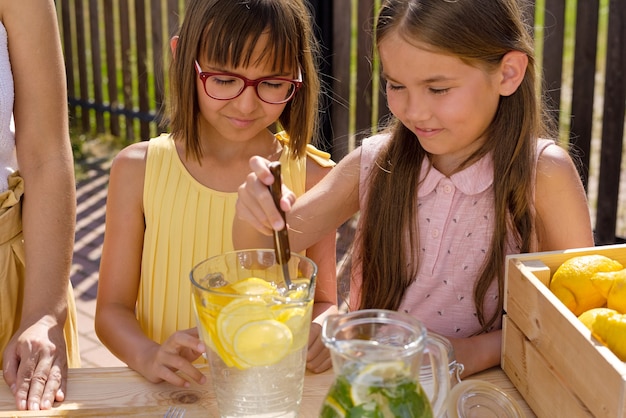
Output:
x=226 y=87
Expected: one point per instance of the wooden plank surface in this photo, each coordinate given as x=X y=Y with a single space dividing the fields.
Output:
x=119 y=392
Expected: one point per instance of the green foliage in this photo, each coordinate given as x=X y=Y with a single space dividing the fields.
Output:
x=406 y=400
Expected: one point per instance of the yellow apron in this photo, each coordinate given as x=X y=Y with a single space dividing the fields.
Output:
x=12 y=273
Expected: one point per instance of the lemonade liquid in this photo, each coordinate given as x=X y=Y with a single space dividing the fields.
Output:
x=256 y=335
x=261 y=391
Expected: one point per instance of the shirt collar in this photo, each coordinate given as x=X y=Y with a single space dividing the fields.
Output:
x=470 y=181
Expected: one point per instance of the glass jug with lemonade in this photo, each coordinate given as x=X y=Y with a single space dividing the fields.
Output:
x=256 y=330
x=377 y=357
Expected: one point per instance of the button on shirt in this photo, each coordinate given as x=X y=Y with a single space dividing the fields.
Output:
x=455 y=221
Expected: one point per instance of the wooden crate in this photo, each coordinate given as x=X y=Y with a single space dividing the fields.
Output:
x=549 y=355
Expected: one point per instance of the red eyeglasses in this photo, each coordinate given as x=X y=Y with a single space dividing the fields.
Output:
x=227 y=86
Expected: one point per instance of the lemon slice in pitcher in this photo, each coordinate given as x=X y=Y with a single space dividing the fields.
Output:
x=237 y=314
x=262 y=343
x=296 y=320
x=207 y=332
x=253 y=286
x=388 y=390
x=376 y=375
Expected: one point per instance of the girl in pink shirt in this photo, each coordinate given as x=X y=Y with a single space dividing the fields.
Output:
x=458 y=180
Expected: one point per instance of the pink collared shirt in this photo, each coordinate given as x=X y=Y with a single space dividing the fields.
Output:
x=455 y=227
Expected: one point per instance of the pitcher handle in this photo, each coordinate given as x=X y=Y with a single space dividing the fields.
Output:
x=438 y=354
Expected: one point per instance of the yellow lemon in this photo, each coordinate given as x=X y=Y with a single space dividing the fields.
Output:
x=292 y=317
x=253 y=286
x=571 y=282
x=248 y=332
x=377 y=375
x=296 y=320
x=209 y=335
x=262 y=343
x=237 y=314
x=300 y=292
x=589 y=317
x=610 y=328
x=332 y=408
x=612 y=286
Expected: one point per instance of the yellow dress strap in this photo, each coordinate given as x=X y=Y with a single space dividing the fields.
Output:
x=320 y=157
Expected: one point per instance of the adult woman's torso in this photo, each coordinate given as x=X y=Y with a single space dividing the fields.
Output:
x=8 y=161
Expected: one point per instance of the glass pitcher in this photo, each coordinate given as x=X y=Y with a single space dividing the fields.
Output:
x=377 y=357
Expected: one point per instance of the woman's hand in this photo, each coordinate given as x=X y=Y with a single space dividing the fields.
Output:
x=35 y=366
x=176 y=354
x=255 y=204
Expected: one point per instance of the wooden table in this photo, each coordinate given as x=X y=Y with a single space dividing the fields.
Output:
x=121 y=392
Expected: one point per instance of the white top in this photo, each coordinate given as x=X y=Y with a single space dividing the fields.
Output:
x=8 y=159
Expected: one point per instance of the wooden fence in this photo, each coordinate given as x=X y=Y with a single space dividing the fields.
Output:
x=117 y=53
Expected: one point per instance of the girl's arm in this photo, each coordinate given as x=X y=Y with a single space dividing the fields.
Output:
x=478 y=353
x=120 y=265
x=35 y=362
x=118 y=285
x=320 y=211
x=324 y=254
x=313 y=221
x=563 y=219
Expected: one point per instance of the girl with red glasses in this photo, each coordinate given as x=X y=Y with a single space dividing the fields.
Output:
x=242 y=82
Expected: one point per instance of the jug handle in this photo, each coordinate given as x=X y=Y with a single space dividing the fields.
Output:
x=438 y=354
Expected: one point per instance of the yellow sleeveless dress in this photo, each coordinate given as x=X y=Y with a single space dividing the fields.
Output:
x=186 y=223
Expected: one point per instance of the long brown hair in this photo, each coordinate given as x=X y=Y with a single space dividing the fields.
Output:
x=479 y=32
x=225 y=32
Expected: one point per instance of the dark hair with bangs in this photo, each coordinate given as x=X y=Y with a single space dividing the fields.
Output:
x=225 y=33
x=479 y=32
